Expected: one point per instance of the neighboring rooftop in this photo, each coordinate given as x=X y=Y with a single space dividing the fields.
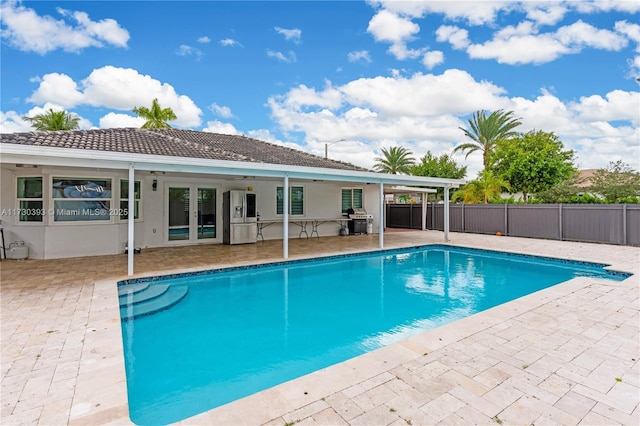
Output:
x=585 y=176
x=177 y=143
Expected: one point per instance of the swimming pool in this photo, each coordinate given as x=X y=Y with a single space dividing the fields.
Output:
x=242 y=330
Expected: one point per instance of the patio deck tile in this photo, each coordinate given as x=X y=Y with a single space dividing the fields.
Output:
x=552 y=357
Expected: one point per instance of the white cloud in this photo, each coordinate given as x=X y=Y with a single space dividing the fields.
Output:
x=303 y=96
x=631 y=31
x=522 y=44
x=116 y=88
x=581 y=34
x=629 y=6
x=186 y=50
x=432 y=59
x=474 y=12
x=115 y=120
x=359 y=55
x=293 y=34
x=289 y=58
x=545 y=13
x=25 y=30
x=229 y=42
x=222 y=111
x=424 y=112
x=617 y=105
x=220 y=127
x=457 y=37
x=59 y=89
x=452 y=92
x=204 y=40
x=266 y=136
x=12 y=122
x=389 y=27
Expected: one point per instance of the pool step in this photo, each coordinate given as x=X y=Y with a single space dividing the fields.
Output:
x=169 y=298
x=131 y=288
x=150 y=292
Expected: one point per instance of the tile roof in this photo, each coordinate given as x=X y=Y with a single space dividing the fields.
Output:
x=177 y=143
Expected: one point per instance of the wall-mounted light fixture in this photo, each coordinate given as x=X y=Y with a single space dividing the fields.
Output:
x=154 y=185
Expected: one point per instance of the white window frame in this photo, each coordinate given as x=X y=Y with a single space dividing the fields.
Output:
x=121 y=200
x=87 y=176
x=351 y=188
x=304 y=201
x=18 y=207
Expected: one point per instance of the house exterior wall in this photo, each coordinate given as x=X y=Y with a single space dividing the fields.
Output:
x=49 y=240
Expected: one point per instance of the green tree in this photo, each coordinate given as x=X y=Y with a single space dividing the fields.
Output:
x=156 y=116
x=485 y=131
x=484 y=188
x=443 y=166
x=54 y=120
x=395 y=160
x=563 y=192
x=533 y=162
x=616 y=183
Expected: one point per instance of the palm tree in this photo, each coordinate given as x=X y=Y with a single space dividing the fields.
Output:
x=156 y=116
x=54 y=120
x=395 y=160
x=487 y=131
x=486 y=187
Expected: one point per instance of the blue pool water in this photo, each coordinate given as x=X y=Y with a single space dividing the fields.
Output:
x=243 y=330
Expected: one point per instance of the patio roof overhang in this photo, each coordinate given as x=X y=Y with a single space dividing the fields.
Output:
x=70 y=157
x=67 y=157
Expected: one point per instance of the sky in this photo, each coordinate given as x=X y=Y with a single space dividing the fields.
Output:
x=352 y=76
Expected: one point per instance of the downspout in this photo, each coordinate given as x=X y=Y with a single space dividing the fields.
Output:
x=131 y=220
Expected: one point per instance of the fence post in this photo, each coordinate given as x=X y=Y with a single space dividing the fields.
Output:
x=624 y=224
x=410 y=216
x=463 y=217
x=506 y=219
x=560 y=221
x=433 y=215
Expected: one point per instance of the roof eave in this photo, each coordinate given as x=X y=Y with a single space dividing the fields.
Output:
x=70 y=157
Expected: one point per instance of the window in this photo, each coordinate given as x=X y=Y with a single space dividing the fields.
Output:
x=296 y=200
x=30 y=205
x=81 y=199
x=124 y=199
x=351 y=198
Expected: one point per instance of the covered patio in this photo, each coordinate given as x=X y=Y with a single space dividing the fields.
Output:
x=134 y=161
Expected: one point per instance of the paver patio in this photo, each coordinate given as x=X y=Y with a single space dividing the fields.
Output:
x=564 y=355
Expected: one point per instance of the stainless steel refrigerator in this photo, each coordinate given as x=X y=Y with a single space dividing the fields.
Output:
x=239 y=217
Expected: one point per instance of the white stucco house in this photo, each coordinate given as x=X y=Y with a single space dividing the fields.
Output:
x=68 y=193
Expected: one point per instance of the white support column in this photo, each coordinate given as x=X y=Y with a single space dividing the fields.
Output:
x=424 y=211
x=285 y=218
x=131 y=220
x=382 y=208
x=446 y=213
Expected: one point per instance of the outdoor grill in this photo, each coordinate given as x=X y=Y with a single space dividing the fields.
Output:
x=359 y=220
